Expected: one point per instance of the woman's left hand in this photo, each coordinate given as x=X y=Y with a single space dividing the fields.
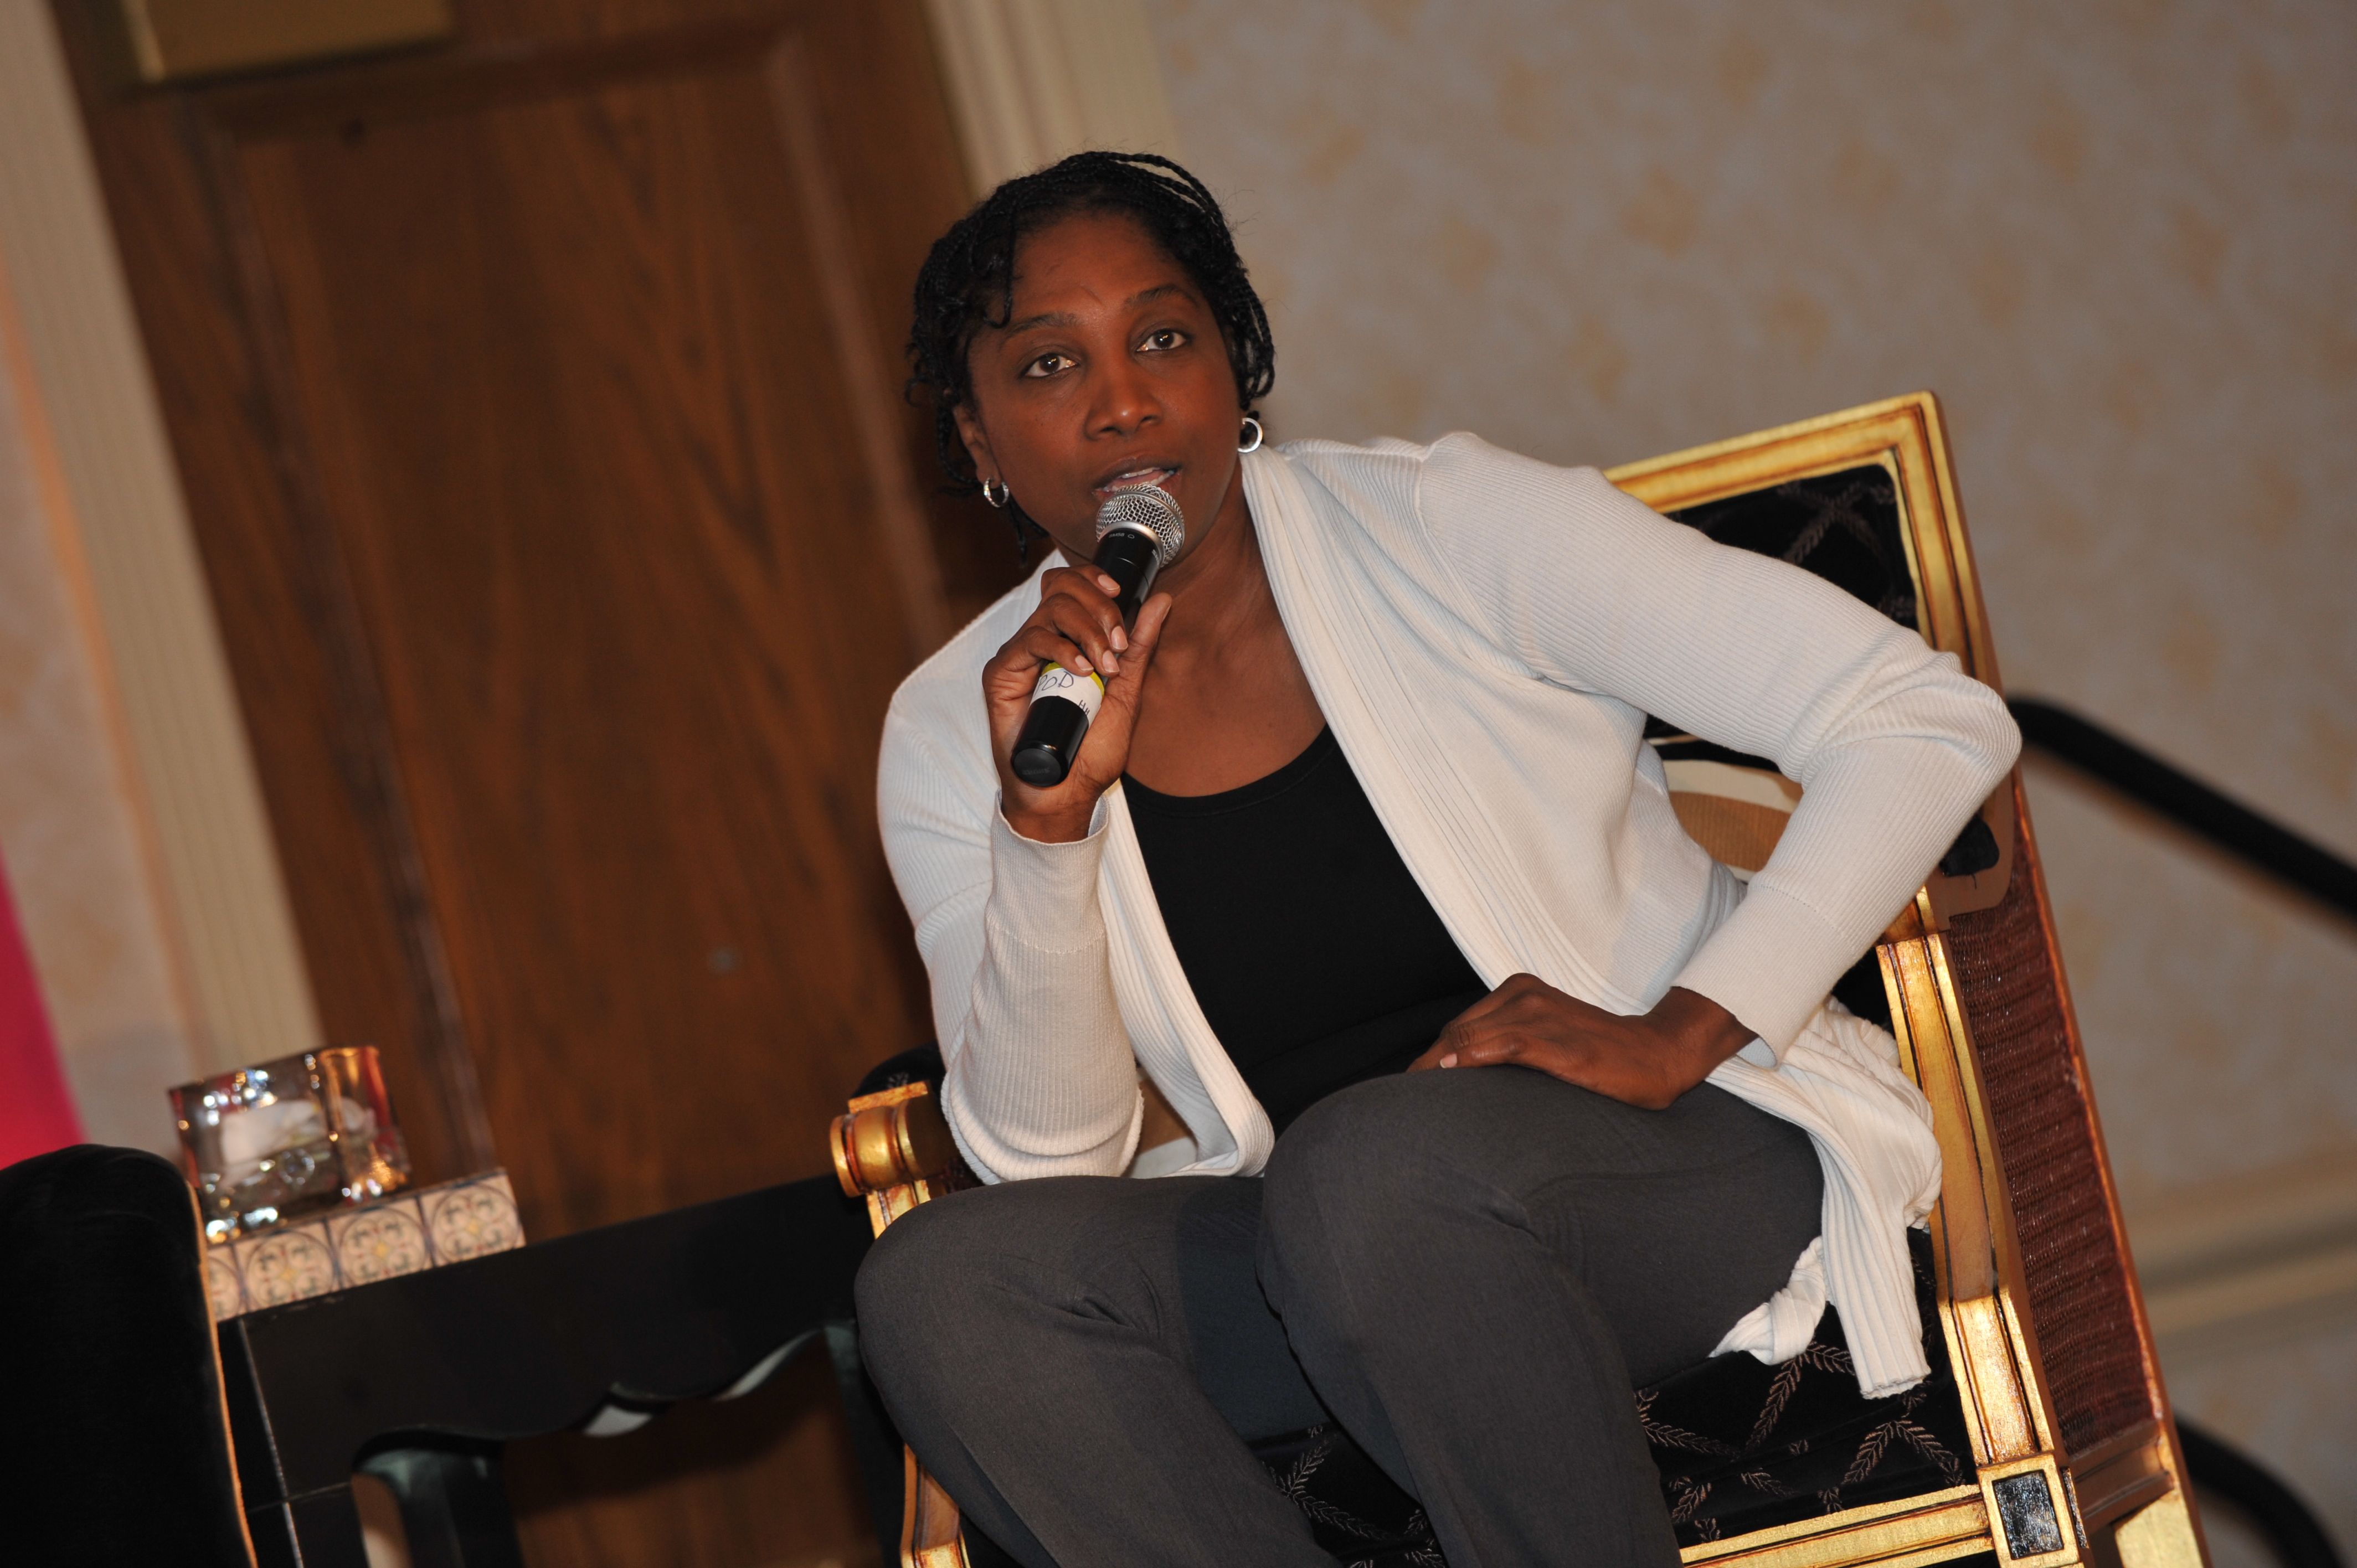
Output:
x=1648 y=1059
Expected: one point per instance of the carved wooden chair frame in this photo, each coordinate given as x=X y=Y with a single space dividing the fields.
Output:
x=2072 y=1463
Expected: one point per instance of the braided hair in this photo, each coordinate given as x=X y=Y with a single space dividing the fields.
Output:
x=968 y=280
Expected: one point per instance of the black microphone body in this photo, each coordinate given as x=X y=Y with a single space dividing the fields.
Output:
x=1131 y=557
x=1139 y=531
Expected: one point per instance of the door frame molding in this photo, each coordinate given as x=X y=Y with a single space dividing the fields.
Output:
x=1030 y=80
x=226 y=912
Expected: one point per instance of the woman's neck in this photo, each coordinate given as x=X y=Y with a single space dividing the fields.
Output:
x=1219 y=590
x=1227 y=702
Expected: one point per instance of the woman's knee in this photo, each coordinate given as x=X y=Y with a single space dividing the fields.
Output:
x=1369 y=1132
x=1376 y=1175
x=960 y=1276
x=921 y=1293
x=898 y=1286
x=1391 y=1142
x=1347 y=1180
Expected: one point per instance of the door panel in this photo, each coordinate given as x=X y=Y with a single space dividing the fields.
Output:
x=617 y=554
x=536 y=398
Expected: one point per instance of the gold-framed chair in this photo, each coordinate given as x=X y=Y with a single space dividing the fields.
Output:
x=2074 y=1454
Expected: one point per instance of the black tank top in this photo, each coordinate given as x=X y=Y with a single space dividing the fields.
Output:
x=1315 y=957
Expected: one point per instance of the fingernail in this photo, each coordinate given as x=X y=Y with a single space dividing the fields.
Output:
x=1112 y=666
x=1120 y=639
x=1081 y=666
x=1449 y=1060
x=1107 y=583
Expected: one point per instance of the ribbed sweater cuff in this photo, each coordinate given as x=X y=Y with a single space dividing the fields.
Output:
x=1045 y=895
x=1770 y=964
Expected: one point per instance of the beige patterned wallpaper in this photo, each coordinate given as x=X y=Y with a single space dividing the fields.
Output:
x=171 y=704
x=2119 y=239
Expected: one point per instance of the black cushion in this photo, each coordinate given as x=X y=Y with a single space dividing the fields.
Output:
x=1742 y=1445
x=115 y=1448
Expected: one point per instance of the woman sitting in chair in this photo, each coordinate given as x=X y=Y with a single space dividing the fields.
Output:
x=1503 y=1098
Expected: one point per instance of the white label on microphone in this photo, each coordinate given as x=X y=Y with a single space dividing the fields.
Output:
x=1086 y=690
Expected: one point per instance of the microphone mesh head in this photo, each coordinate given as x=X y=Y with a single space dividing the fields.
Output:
x=1150 y=509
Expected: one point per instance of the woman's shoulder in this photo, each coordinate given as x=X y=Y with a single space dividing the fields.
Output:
x=1454 y=471
x=1457 y=448
x=1437 y=502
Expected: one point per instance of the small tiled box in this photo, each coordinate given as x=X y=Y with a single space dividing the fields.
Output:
x=397 y=1234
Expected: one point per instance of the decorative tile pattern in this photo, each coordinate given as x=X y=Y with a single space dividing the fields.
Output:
x=382 y=1239
x=224 y=1292
x=287 y=1265
x=379 y=1243
x=470 y=1222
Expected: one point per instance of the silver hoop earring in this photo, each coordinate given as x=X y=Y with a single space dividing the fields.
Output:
x=1249 y=435
x=999 y=497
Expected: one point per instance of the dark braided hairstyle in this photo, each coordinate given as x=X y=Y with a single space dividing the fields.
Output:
x=968 y=279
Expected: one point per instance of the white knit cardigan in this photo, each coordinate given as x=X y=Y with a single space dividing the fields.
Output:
x=1485 y=634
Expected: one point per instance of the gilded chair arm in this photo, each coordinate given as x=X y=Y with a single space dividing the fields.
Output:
x=894 y=1149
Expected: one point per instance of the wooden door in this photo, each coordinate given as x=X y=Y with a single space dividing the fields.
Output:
x=536 y=399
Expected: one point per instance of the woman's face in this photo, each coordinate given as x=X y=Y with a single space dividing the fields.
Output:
x=1110 y=372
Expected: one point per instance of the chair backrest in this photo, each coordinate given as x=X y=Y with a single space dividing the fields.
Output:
x=2039 y=1306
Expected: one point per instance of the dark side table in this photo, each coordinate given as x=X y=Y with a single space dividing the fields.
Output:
x=422 y=1379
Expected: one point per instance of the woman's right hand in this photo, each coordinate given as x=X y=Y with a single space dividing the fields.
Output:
x=1077 y=625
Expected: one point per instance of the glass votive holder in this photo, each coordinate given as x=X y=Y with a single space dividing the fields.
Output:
x=284 y=1138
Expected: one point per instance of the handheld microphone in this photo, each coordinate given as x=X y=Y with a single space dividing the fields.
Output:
x=1139 y=531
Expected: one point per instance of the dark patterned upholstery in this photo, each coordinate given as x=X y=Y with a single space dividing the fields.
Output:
x=1742 y=1445
x=1354 y=1510
x=1844 y=526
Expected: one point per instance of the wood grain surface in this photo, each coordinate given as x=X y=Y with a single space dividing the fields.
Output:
x=536 y=397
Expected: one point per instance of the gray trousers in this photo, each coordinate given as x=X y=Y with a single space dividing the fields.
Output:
x=1469 y=1270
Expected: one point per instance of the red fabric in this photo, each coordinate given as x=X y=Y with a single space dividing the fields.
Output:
x=36 y=1114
